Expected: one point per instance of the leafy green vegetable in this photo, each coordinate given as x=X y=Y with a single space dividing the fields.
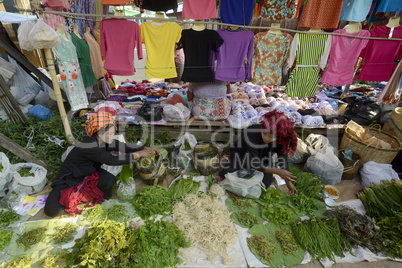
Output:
x=54 y=260
x=152 y=200
x=265 y=246
x=242 y=203
x=7 y=217
x=247 y=219
x=288 y=243
x=29 y=238
x=305 y=204
x=147 y=162
x=95 y=213
x=64 y=234
x=1 y=167
x=272 y=196
x=391 y=232
x=279 y=214
x=116 y=212
x=25 y=172
x=204 y=150
x=307 y=183
x=187 y=146
x=183 y=187
x=5 y=237
x=19 y=262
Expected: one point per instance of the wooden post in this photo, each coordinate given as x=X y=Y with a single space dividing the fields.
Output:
x=59 y=99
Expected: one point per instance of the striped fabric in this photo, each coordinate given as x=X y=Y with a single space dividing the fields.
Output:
x=303 y=80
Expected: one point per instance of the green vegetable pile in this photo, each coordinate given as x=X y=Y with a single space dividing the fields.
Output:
x=54 y=260
x=242 y=203
x=204 y=150
x=147 y=162
x=116 y=212
x=19 y=262
x=391 y=232
x=29 y=238
x=382 y=200
x=305 y=204
x=247 y=219
x=279 y=214
x=157 y=245
x=1 y=167
x=358 y=229
x=187 y=146
x=321 y=238
x=152 y=200
x=95 y=213
x=307 y=183
x=64 y=234
x=183 y=187
x=7 y=217
x=25 y=172
x=287 y=241
x=102 y=245
x=5 y=237
x=272 y=196
x=264 y=246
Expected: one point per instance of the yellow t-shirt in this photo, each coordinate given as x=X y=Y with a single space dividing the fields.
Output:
x=160 y=45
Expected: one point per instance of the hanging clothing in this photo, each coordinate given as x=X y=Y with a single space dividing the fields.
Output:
x=115 y=2
x=119 y=37
x=392 y=91
x=84 y=58
x=96 y=58
x=323 y=14
x=355 y=10
x=160 y=43
x=199 y=10
x=343 y=56
x=379 y=55
x=311 y=50
x=257 y=9
x=389 y=6
x=159 y=5
x=238 y=12
x=197 y=46
x=53 y=19
x=70 y=73
x=57 y=3
x=230 y=56
x=271 y=56
x=84 y=7
x=278 y=9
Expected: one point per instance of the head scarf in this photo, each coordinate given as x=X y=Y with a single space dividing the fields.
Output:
x=283 y=128
x=98 y=121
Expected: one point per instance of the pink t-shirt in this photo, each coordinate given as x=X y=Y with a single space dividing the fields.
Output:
x=199 y=9
x=342 y=58
x=119 y=37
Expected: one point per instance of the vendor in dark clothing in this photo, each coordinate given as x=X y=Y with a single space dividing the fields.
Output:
x=88 y=157
x=255 y=148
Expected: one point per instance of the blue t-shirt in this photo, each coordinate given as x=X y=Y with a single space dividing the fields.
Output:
x=239 y=12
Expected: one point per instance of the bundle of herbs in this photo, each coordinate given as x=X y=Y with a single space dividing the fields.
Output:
x=391 y=232
x=183 y=187
x=279 y=214
x=147 y=162
x=272 y=196
x=307 y=183
x=382 y=200
x=305 y=204
x=25 y=172
x=247 y=219
x=32 y=237
x=5 y=237
x=322 y=238
x=152 y=200
x=54 y=259
x=64 y=234
x=287 y=241
x=19 y=262
x=358 y=229
x=265 y=247
x=8 y=217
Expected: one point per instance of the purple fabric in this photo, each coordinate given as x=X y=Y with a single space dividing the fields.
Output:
x=117 y=98
x=230 y=56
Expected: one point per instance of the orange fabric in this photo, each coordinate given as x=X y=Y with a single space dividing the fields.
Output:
x=114 y=2
x=323 y=14
x=98 y=121
x=299 y=6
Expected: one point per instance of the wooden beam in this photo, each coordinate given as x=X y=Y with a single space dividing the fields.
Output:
x=11 y=98
x=20 y=151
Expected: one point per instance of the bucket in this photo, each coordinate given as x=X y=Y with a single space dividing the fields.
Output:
x=206 y=162
x=351 y=166
x=154 y=174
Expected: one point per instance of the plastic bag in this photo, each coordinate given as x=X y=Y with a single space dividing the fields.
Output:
x=23 y=33
x=301 y=154
x=149 y=112
x=373 y=172
x=364 y=112
x=40 y=112
x=177 y=112
x=184 y=157
x=251 y=188
x=26 y=87
x=30 y=184
x=326 y=164
x=126 y=191
x=238 y=123
x=318 y=142
x=43 y=36
x=11 y=199
x=5 y=173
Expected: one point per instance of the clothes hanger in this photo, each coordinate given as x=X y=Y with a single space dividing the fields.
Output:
x=275 y=31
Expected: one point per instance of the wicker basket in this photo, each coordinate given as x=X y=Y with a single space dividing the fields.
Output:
x=351 y=166
x=206 y=163
x=372 y=153
x=153 y=174
x=393 y=124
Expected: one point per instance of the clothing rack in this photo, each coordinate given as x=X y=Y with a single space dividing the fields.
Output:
x=80 y=16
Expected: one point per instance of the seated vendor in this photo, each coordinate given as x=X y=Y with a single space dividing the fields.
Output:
x=208 y=100
x=255 y=148
x=82 y=167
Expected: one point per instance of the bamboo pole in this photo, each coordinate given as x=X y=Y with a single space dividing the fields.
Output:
x=59 y=98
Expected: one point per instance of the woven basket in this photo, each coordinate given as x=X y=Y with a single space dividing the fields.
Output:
x=351 y=166
x=393 y=124
x=154 y=174
x=371 y=153
x=206 y=163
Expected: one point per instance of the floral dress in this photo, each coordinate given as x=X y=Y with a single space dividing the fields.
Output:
x=271 y=53
x=278 y=9
x=70 y=74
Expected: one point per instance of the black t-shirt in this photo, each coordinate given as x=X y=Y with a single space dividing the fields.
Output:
x=159 y=5
x=197 y=46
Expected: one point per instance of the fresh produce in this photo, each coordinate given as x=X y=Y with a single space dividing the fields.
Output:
x=391 y=232
x=29 y=238
x=358 y=229
x=19 y=262
x=152 y=200
x=247 y=219
x=1 y=167
x=265 y=246
x=7 y=217
x=287 y=241
x=25 y=172
x=272 y=196
x=64 y=234
x=331 y=191
x=157 y=245
x=183 y=187
x=95 y=213
x=147 y=162
x=204 y=150
x=102 y=245
x=279 y=214
x=382 y=200
x=322 y=238
x=242 y=203
x=187 y=146
x=305 y=204
x=116 y=212
x=307 y=183
x=54 y=260
x=5 y=237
